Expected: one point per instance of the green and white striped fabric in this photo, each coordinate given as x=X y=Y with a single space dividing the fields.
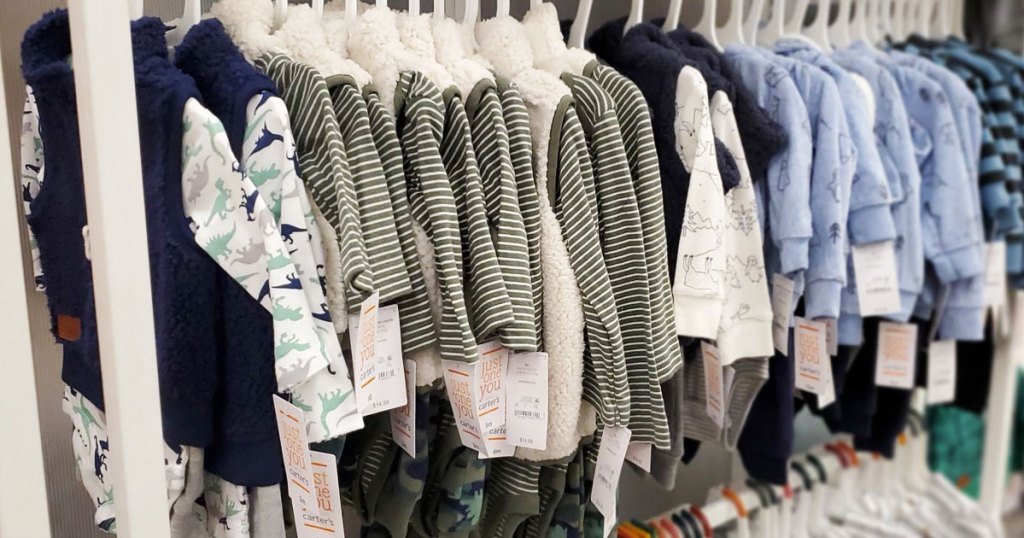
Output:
x=324 y=164
x=376 y=216
x=489 y=304
x=638 y=137
x=623 y=247
x=520 y=141
x=491 y=143
x=420 y=119
x=575 y=203
x=512 y=495
x=418 y=330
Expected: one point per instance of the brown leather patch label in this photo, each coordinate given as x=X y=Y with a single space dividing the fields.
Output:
x=69 y=327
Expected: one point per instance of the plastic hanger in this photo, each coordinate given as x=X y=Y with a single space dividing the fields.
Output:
x=501 y=8
x=774 y=29
x=795 y=24
x=675 y=8
x=839 y=32
x=470 y=15
x=897 y=31
x=885 y=23
x=753 y=22
x=136 y=9
x=742 y=520
x=382 y=3
x=280 y=11
x=578 y=31
x=413 y=9
x=732 y=31
x=859 y=22
x=193 y=11
x=636 y=14
x=707 y=26
x=817 y=31
x=958 y=19
x=925 y=15
x=438 y=9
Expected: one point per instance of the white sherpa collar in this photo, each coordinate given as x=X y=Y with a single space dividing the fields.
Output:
x=541 y=27
x=305 y=40
x=418 y=39
x=250 y=23
x=452 y=41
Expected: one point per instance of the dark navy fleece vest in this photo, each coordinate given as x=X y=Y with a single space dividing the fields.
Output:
x=247 y=451
x=182 y=276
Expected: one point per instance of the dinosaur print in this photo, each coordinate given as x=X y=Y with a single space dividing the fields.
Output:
x=249 y=203
x=741 y=313
x=213 y=128
x=295 y=373
x=288 y=343
x=264 y=292
x=198 y=182
x=254 y=124
x=220 y=204
x=249 y=254
x=187 y=124
x=219 y=245
x=329 y=402
x=278 y=260
x=230 y=511
x=294 y=158
x=323 y=315
x=26 y=193
x=298 y=402
x=283 y=313
x=287 y=230
x=294 y=283
x=266 y=139
x=99 y=458
x=88 y=420
x=264 y=97
x=260 y=176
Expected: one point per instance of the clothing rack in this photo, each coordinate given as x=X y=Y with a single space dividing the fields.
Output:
x=114 y=196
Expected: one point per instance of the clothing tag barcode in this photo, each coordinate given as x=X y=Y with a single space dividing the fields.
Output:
x=874 y=266
x=639 y=454
x=295 y=451
x=714 y=386
x=328 y=522
x=610 y=457
x=810 y=354
x=527 y=400
x=403 y=419
x=380 y=383
x=782 y=299
x=941 y=372
x=896 y=355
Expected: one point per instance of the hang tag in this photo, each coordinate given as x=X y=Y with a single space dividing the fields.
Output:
x=941 y=372
x=380 y=383
x=828 y=385
x=810 y=354
x=996 y=285
x=527 y=400
x=481 y=386
x=896 y=355
x=612 y=521
x=639 y=454
x=298 y=469
x=458 y=381
x=782 y=309
x=328 y=522
x=610 y=457
x=878 y=290
x=831 y=336
x=403 y=419
x=714 y=386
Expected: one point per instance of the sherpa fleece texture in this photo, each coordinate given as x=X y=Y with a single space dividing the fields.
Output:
x=502 y=42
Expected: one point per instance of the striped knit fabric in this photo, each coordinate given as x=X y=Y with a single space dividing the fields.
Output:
x=638 y=137
x=622 y=243
x=575 y=203
x=376 y=215
x=489 y=304
x=512 y=494
x=420 y=120
x=497 y=173
x=323 y=161
x=414 y=309
x=517 y=123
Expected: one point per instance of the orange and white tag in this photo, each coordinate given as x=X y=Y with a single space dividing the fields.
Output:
x=298 y=469
x=941 y=372
x=377 y=350
x=477 y=395
x=811 y=355
x=896 y=355
x=328 y=521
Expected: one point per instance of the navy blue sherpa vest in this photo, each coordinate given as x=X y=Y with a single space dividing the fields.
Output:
x=247 y=451
x=182 y=276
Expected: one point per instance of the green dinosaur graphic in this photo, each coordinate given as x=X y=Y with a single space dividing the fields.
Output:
x=298 y=402
x=108 y=495
x=213 y=128
x=283 y=313
x=187 y=154
x=286 y=344
x=188 y=124
x=278 y=261
x=88 y=421
x=231 y=510
x=217 y=247
x=220 y=204
x=256 y=123
x=329 y=402
x=259 y=176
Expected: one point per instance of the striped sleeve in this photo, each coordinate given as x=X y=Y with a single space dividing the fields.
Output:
x=491 y=143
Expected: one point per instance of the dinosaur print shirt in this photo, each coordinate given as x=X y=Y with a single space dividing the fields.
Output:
x=31 y=174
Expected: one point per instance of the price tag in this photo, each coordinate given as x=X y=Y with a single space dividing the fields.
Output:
x=878 y=290
x=831 y=336
x=403 y=419
x=996 y=284
x=527 y=397
x=477 y=394
x=828 y=396
x=458 y=381
x=896 y=355
x=328 y=521
x=298 y=469
x=941 y=371
x=714 y=386
x=782 y=309
x=380 y=383
x=639 y=454
x=810 y=352
x=614 y=443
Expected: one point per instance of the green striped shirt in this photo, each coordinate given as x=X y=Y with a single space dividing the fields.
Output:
x=501 y=196
x=623 y=247
x=489 y=304
x=376 y=216
x=418 y=330
x=324 y=164
x=638 y=137
x=420 y=119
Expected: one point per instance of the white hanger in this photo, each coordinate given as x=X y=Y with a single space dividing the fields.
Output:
x=578 y=31
x=414 y=8
x=193 y=11
x=817 y=31
x=925 y=14
x=753 y=22
x=774 y=29
x=958 y=19
x=839 y=32
x=501 y=8
x=136 y=9
x=885 y=22
x=352 y=10
x=438 y=9
x=898 y=28
x=280 y=11
x=534 y=4
x=910 y=18
x=859 y=22
x=708 y=24
x=732 y=31
x=382 y=3
x=795 y=24
x=636 y=14
x=470 y=15
x=675 y=8
x=318 y=8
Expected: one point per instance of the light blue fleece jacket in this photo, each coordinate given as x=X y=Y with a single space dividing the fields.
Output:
x=964 y=315
x=832 y=168
x=893 y=139
x=784 y=200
